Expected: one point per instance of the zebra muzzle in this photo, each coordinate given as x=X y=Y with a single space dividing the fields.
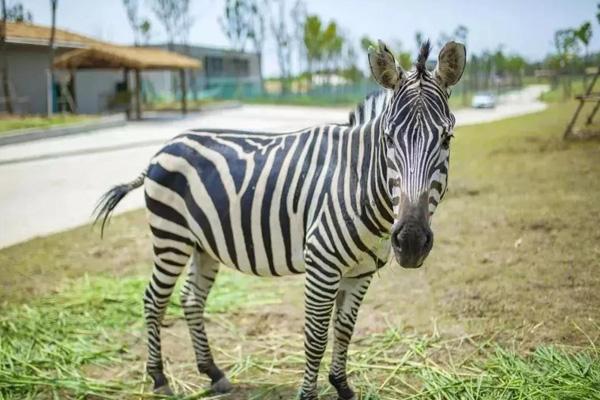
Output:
x=412 y=241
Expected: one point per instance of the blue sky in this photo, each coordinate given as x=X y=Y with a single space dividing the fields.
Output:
x=523 y=26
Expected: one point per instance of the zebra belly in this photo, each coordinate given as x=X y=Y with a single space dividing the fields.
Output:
x=257 y=241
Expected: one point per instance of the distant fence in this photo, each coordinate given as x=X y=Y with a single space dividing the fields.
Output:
x=252 y=90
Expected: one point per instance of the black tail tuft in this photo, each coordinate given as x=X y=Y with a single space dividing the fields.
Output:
x=110 y=199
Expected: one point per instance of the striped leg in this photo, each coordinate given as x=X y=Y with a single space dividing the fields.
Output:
x=170 y=258
x=320 y=292
x=349 y=299
x=194 y=293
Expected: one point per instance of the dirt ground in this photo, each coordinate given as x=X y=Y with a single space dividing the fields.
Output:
x=516 y=258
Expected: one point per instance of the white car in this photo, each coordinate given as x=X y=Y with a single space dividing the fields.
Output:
x=483 y=100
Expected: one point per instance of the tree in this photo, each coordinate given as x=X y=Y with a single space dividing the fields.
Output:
x=174 y=17
x=5 y=80
x=298 y=18
x=567 y=46
x=131 y=7
x=366 y=43
x=256 y=30
x=234 y=23
x=419 y=39
x=584 y=35
x=145 y=31
x=50 y=94
x=460 y=33
x=312 y=41
x=282 y=39
x=17 y=13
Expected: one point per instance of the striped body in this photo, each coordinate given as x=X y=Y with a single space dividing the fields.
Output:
x=261 y=203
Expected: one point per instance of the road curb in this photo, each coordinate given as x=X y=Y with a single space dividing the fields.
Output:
x=109 y=121
x=33 y=134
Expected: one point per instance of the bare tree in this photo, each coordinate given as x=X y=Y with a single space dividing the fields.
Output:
x=18 y=13
x=50 y=94
x=172 y=14
x=145 y=31
x=131 y=7
x=234 y=23
x=298 y=14
x=279 y=29
x=256 y=30
x=5 y=81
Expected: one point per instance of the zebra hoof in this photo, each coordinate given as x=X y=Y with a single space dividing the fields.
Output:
x=222 y=386
x=163 y=390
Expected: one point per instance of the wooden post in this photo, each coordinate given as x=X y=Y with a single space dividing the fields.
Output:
x=73 y=73
x=183 y=91
x=582 y=100
x=127 y=93
x=138 y=95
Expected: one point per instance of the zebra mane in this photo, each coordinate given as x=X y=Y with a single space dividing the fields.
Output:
x=421 y=64
x=369 y=108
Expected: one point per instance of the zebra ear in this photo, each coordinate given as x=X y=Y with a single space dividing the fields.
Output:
x=384 y=68
x=451 y=64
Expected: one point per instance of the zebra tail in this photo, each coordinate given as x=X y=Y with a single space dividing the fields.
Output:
x=109 y=200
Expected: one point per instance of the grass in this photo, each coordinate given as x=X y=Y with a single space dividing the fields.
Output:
x=176 y=105
x=54 y=348
x=8 y=124
x=557 y=94
x=506 y=306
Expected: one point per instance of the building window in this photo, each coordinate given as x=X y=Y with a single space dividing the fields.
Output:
x=241 y=67
x=214 y=66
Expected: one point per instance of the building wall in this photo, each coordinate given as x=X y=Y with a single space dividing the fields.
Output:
x=27 y=66
x=94 y=88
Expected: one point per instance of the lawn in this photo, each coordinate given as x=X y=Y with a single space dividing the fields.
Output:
x=8 y=123
x=506 y=306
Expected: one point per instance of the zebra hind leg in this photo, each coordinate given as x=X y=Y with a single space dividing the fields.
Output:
x=194 y=293
x=348 y=301
x=170 y=258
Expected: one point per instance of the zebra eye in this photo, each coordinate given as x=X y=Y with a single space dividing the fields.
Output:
x=446 y=140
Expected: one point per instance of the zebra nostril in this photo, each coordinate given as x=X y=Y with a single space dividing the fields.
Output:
x=396 y=236
x=427 y=240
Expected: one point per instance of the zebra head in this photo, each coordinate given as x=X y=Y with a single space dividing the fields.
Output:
x=417 y=126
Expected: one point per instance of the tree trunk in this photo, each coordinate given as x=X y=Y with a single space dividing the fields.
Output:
x=260 y=74
x=51 y=58
x=5 y=81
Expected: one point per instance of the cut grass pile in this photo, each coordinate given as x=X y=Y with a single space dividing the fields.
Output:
x=48 y=346
x=45 y=345
x=8 y=124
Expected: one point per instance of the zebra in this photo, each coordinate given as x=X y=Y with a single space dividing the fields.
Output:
x=333 y=202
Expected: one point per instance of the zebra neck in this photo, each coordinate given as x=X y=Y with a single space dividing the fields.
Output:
x=375 y=198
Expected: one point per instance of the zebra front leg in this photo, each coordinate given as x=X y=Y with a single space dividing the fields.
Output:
x=319 y=295
x=170 y=257
x=347 y=304
x=194 y=293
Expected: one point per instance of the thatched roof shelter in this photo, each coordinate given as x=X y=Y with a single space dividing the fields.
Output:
x=23 y=32
x=119 y=57
x=105 y=56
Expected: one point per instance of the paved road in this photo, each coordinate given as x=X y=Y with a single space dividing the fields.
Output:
x=52 y=185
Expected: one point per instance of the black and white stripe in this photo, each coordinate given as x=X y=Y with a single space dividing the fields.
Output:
x=318 y=201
